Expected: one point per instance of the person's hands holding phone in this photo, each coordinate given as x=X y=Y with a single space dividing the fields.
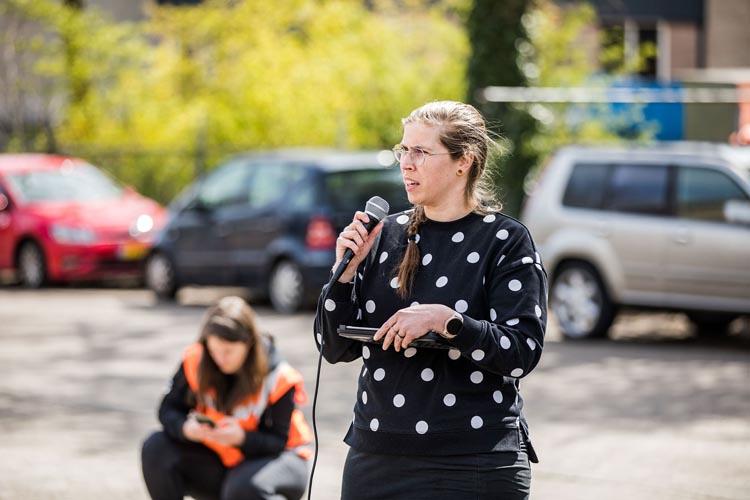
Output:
x=197 y=427
x=228 y=432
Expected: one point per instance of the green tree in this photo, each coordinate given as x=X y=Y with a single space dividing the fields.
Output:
x=495 y=30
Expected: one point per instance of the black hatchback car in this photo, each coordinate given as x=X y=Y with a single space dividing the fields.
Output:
x=269 y=221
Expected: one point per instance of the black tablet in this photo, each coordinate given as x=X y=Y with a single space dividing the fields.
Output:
x=364 y=334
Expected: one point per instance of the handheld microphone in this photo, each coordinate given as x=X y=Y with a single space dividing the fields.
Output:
x=376 y=208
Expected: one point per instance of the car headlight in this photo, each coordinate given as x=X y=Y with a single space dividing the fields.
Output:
x=142 y=225
x=72 y=235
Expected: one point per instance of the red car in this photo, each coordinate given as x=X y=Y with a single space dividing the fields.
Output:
x=62 y=219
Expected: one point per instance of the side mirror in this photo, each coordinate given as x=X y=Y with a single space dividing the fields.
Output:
x=4 y=203
x=737 y=211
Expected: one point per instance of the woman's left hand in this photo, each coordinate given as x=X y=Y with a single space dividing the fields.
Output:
x=228 y=432
x=412 y=323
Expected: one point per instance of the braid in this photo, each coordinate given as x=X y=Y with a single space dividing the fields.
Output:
x=407 y=269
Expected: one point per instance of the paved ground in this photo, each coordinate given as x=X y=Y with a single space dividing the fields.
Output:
x=654 y=415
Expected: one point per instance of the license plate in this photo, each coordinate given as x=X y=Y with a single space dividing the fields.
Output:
x=132 y=251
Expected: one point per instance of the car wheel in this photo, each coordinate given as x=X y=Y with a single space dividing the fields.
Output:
x=32 y=270
x=160 y=276
x=711 y=324
x=286 y=287
x=580 y=302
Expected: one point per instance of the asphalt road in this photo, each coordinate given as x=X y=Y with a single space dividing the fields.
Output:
x=654 y=414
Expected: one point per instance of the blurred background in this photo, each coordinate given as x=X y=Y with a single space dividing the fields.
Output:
x=156 y=155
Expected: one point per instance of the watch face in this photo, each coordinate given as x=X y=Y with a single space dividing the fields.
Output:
x=454 y=326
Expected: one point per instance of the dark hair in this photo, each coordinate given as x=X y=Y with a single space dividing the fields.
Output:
x=463 y=131
x=233 y=320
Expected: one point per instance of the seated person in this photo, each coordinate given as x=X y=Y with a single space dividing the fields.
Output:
x=231 y=427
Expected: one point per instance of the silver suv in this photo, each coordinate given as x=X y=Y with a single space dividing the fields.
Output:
x=659 y=227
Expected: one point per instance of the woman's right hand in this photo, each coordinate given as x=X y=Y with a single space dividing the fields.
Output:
x=194 y=430
x=355 y=237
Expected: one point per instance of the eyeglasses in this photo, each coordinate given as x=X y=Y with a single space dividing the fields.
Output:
x=418 y=156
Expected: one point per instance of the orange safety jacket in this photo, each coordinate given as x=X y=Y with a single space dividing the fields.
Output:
x=277 y=383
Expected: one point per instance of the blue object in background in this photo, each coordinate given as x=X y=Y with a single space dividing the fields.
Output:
x=666 y=117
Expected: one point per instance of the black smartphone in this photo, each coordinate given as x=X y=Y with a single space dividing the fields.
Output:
x=205 y=420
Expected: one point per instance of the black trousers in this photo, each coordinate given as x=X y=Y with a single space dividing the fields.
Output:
x=174 y=469
x=484 y=476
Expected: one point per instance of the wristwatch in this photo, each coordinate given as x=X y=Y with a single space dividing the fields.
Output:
x=452 y=326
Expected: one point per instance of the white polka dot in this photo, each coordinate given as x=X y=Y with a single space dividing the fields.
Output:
x=527 y=260
x=330 y=305
x=441 y=281
x=504 y=342
x=538 y=311
x=383 y=256
x=512 y=322
x=417 y=238
x=364 y=397
x=399 y=400
x=473 y=258
x=497 y=396
x=458 y=237
x=483 y=279
x=394 y=282
x=410 y=352
x=402 y=219
x=360 y=276
x=514 y=285
x=374 y=424
x=319 y=338
x=476 y=422
x=379 y=374
x=364 y=371
x=532 y=344
x=421 y=427
x=477 y=355
x=366 y=352
x=539 y=267
x=517 y=372
x=493 y=314
x=477 y=377
x=426 y=259
x=454 y=354
x=502 y=234
x=461 y=306
x=489 y=218
x=502 y=258
x=415 y=303
x=359 y=313
x=449 y=400
x=538 y=259
x=427 y=374
x=370 y=306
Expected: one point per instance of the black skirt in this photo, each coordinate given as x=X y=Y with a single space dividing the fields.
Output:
x=482 y=476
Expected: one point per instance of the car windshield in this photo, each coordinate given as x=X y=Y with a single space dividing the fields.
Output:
x=76 y=182
x=349 y=190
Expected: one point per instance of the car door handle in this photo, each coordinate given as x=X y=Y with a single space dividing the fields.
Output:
x=223 y=230
x=682 y=237
x=602 y=229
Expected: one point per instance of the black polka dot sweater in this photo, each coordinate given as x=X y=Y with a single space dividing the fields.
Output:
x=443 y=402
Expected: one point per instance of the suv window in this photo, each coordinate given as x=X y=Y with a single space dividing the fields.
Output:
x=640 y=189
x=702 y=193
x=586 y=186
x=349 y=190
x=271 y=183
x=227 y=185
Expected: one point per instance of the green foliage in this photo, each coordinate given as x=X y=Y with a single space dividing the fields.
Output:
x=495 y=31
x=192 y=84
x=563 y=51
